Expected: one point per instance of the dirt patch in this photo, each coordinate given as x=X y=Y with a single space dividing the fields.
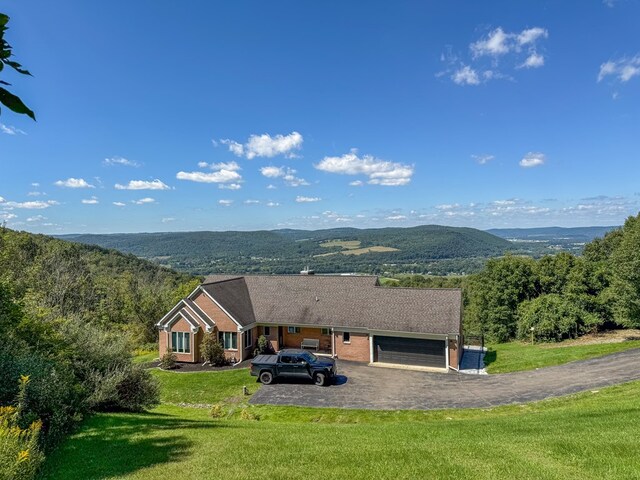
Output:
x=609 y=336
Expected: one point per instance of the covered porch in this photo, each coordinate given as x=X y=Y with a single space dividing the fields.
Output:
x=315 y=339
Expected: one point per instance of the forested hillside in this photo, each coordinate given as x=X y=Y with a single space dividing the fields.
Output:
x=428 y=248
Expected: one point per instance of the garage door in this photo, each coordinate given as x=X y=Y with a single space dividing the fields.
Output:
x=410 y=351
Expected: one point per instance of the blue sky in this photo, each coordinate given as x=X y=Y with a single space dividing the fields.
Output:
x=166 y=116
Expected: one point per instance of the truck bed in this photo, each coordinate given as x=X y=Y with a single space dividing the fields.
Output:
x=265 y=360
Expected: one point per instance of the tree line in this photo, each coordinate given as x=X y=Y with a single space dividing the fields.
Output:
x=70 y=317
x=555 y=297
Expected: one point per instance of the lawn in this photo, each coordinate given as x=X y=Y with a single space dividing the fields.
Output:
x=145 y=356
x=517 y=356
x=594 y=435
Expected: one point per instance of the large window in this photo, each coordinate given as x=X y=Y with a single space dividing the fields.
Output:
x=293 y=329
x=229 y=340
x=180 y=342
x=248 y=338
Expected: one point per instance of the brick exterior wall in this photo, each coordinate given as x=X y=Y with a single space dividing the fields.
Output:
x=183 y=326
x=272 y=337
x=357 y=350
x=294 y=340
x=223 y=324
x=454 y=355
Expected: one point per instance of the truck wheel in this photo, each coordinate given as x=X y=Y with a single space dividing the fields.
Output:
x=320 y=379
x=266 y=378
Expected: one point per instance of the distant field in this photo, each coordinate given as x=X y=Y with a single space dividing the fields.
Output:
x=346 y=244
x=351 y=247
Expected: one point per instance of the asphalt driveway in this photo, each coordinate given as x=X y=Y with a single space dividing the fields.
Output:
x=361 y=386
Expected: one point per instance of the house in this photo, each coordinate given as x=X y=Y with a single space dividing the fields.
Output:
x=351 y=317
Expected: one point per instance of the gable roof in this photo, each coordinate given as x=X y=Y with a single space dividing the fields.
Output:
x=190 y=312
x=233 y=296
x=337 y=301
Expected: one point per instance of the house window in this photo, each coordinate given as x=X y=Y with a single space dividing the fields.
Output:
x=267 y=331
x=248 y=338
x=346 y=337
x=324 y=331
x=229 y=340
x=293 y=329
x=180 y=342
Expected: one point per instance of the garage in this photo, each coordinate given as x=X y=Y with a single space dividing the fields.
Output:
x=410 y=351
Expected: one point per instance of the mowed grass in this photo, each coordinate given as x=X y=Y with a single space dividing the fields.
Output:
x=517 y=356
x=145 y=356
x=594 y=435
x=204 y=387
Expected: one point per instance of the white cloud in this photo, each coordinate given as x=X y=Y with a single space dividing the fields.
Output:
x=36 y=218
x=534 y=60
x=397 y=217
x=465 y=76
x=225 y=203
x=498 y=42
x=35 y=184
x=34 y=194
x=11 y=130
x=223 y=173
x=266 y=146
x=90 y=201
x=271 y=187
x=356 y=183
x=234 y=147
x=504 y=202
x=251 y=202
x=143 y=201
x=533 y=159
x=74 y=183
x=119 y=161
x=483 y=159
x=143 y=185
x=516 y=49
x=119 y=204
x=221 y=176
x=622 y=69
x=379 y=172
x=168 y=220
x=301 y=199
x=36 y=205
x=272 y=172
x=230 y=186
x=273 y=204
x=448 y=206
x=7 y=216
x=287 y=174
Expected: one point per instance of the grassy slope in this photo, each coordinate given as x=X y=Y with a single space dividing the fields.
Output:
x=591 y=435
x=517 y=356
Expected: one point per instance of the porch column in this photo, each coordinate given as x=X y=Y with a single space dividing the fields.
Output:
x=333 y=343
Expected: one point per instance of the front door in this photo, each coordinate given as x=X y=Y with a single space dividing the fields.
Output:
x=280 y=338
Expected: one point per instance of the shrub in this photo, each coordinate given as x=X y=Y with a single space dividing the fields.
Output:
x=168 y=361
x=212 y=350
x=246 y=414
x=20 y=454
x=129 y=388
x=217 y=411
x=264 y=347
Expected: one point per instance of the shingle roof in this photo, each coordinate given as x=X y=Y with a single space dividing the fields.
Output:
x=337 y=301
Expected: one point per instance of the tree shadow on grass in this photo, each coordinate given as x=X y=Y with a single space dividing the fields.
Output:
x=490 y=356
x=119 y=444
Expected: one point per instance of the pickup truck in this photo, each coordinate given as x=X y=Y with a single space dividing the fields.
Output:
x=297 y=364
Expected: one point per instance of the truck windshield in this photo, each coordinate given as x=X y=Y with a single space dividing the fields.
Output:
x=310 y=357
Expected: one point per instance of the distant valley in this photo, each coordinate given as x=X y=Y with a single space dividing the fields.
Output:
x=427 y=249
